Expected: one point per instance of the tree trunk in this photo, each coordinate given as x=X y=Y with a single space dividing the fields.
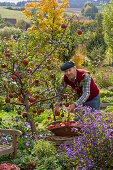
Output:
x=30 y=120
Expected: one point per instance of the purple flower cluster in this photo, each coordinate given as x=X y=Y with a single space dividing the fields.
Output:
x=94 y=147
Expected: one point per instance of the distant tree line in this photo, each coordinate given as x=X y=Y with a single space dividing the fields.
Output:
x=73 y=3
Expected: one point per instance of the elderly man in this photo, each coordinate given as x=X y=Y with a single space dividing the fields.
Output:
x=81 y=81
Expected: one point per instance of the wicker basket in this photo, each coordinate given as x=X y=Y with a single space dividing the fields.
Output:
x=64 y=130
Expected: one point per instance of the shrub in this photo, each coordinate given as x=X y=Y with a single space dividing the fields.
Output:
x=7 y=32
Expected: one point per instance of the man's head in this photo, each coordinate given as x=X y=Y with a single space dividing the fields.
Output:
x=69 y=69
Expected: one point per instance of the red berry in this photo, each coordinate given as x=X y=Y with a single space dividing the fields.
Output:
x=25 y=62
x=79 y=32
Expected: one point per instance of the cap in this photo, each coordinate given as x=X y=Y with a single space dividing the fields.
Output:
x=67 y=65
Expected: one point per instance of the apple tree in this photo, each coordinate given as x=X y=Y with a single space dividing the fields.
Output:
x=29 y=75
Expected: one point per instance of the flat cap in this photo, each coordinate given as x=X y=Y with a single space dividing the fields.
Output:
x=67 y=65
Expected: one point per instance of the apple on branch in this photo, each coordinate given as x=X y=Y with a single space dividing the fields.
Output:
x=79 y=32
x=13 y=77
x=63 y=25
x=25 y=62
x=7 y=54
x=11 y=95
x=32 y=99
x=3 y=65
x=7 y=100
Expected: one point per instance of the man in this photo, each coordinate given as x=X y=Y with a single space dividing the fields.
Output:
x=81 y=81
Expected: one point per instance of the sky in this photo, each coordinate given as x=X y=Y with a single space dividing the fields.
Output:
x=15 y=1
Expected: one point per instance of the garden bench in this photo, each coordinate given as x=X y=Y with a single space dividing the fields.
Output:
x=6 y=149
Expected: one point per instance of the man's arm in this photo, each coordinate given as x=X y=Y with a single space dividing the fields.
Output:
x=60 y=92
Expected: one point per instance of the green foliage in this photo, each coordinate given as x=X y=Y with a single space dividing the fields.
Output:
x=108 y=23
x=107 y=99
x=43 y=149
x=7 y=32
x=96 y=47
x=103 y=76
x=89 y=9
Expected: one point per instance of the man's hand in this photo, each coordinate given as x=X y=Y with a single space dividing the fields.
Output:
x=56 y=109
x=71 y=108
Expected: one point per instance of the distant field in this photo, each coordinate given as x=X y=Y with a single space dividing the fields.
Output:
x=6 y=13
x=71 y=11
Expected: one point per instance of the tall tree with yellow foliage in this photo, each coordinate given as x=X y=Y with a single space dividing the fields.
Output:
x=47 y=17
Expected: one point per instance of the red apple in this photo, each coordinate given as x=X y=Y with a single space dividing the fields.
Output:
x=62 y=115
x=49 y=117
x=79 y=32
x=3 y=65
x=66 y=104
x=70 y=97
x=37 y=96
x=13 y=77
x=36 y=124
x=63 y=122
x=34 y=111
x=7 y=100
x=51 y=126
x=25 y=62
x=52 y=76
x=48 y=67
x=4 y=85
x=11 y=95
x=25 y=113
x=43 y=98
x=16 y=72
x=7 y=54
x=29 y=70
x=57 y=113
x=57 y=125
x=19 y=112
x=63 y=25
x=32 y=99
x=36 y=81
x=39 y=112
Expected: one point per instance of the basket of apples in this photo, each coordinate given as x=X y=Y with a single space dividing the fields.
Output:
x=67 y=128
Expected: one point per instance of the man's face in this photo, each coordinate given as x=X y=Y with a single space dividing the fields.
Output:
x=70 y=73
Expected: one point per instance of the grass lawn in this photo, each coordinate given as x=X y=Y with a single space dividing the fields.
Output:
x=6 y=13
